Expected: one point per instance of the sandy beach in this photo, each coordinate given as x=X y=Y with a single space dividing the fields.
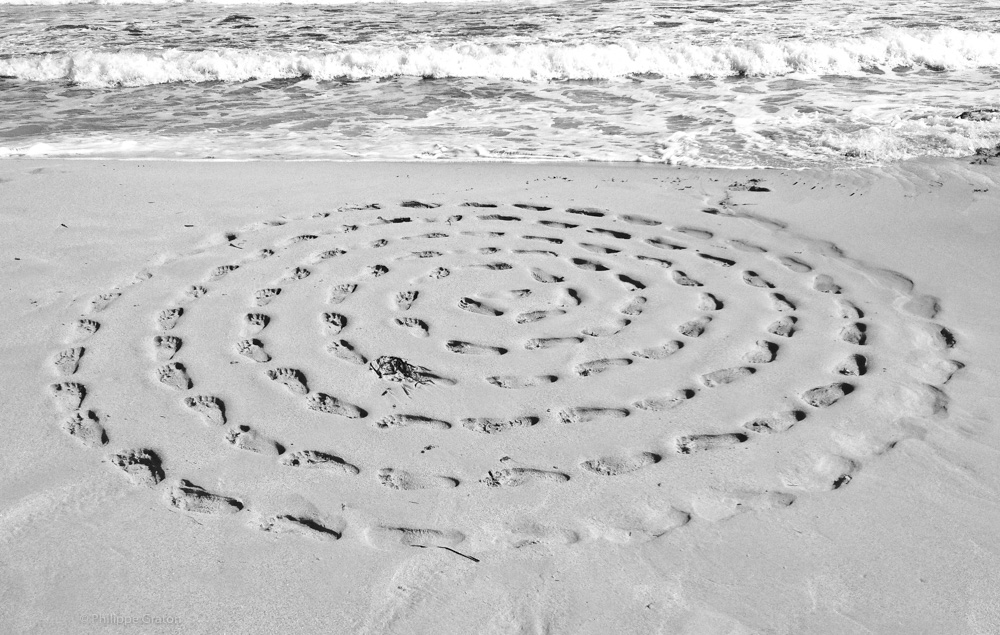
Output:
x=259 y=397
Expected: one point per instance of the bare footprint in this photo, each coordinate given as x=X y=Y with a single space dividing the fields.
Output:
x=404 y=299
x=726 y=376
x=167 y=319
x=340 y=292
x=515 y=382
x=194 y=292
x=263 y=297
x=101 y=302
x=716 y=506
x=665 y=402
x=854 y=334
x=753 y=279
x=781 y=304
x=298 y=273
x=326 y=404
x=243 y=438
x=536 y=316
x=468 y=348
x=84 y=328
x=142 y=467
x=763 y=352
x=390 y=537
x=547 y=239
x=599 y=249
x=594 y=367
x=439 y=273
x=684 y=280
x=693 y=443
x=253 y=349
x=694 y=328
x=607 y=330
x=174 y=375
x=165 y=347
x=825 y=473
x=344 y=351
x=785 y=327
x=708 y=302
x=795 y=264
x=847 y=311
x=291 y=378
x=221 y=271
x=519 y=476
x=718 y=260
x=551 y=342
x=572 y=297
x=299 y=525
x=375 y=271
x=403 y=480
x=67 y=362
x=68 y=395
x=326 y=255
x=616 y=465
x=825 y=284
x=211 y=409
x=853 y=366
x=188 y=497
x=334 y=323
x=777 y=422
x=416 y=328
x=492 y=425
x=321 y=460
x=585 y=414
x=406 y=421
x=633 y=307
x=85 y=427
x=474 y=306
x=545 y=277
x=660 y=351
x=640 y=220
x=825 y=396
x=666 y=264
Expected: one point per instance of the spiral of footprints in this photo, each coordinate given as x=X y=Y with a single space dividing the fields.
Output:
x=709 y=363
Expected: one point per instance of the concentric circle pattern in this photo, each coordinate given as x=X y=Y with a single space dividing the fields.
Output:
x=500 y=374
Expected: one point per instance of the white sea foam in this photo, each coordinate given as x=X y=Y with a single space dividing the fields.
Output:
x=937 y=49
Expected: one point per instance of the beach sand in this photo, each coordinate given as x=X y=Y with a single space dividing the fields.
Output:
x=498 y=398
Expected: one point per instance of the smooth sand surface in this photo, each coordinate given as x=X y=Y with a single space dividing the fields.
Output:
x=496 y=398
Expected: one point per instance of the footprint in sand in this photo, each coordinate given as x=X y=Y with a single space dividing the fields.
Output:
x=763 y=352
x=167 y=319
x=340 y=292
x=474 y=306
x=826 y=396
x=666 y=264
x=777 y=422
x=603 y=250
x=333 y=323
x=493 y=425
x=103 y=301
x=551 y=342
x=664 y=402
x=633 y=307
x=141 y=467
x=519 y=476
x=660 y=351
x=695 y=443
x=263 y=297
x=408 y=421
x=795 y=264
x=319 y=460
x=618 y=464
x=221 y=272
x=84 y=328
x=391 y=537
x=784 y=327
x=717 y=260
x=68 y=395
x=403 y=480
x=188 y=497
x=298 y=525
x=588 y=265
x=174 y=375
x=416 y=328
x=694 y=328
x=253 y=349
x=254 y=323
x=684 y=280
x=326 y=255
x=291 y=379
x=726 y=376
x=165 y=347
x=708 y=302
x=825 y=284
x=753 y=279
x=344 y=351
x=854 y=334
x=404 y=299
x=586 y=414
x=468 y=348
x=536 y=316
x=67 y=361
x=515 y=382
x=211 y=409
x=853 y=365
x=85 y=427
x=326 y=404
x=597 y=366
x=781 y=304
x=607 y=330
x=244 y=438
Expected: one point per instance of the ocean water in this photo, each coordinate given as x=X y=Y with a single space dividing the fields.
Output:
x=693 y=82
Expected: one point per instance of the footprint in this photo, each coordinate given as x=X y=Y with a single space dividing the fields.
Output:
x=748 y=247
x=302 y=238
x=823 y=474
x=795 y=264
x=244 y=438
x=406 y=421
x=67 y=362
x=404 y=299
x=85 y=427
x=551 y=342
x=390 y=537
x=662 y=243
x=847 y=310
x=726 y=376
x=586 y=414
x=326 y=255
x=588 y=265
x=781 y=304
x=518 y=476
x=825 y=396
x=854 y=365
x=785 y=327
x=694 y=328
x=616 y=465
x=557 y=224
x=194 y=292
x=666 y=264
x=344 y=351
x=261 y=254
x=682 y=279
x=68 y=395
x=320 y=402
x=468 y=348
x=263 y=297
x=84 y=328
x=666 y=402
x=515 y=382
x=543 y=277
x=298 y=273
x=499 y=217
x=419 y=205
x=211 y=409
x=708 y=302
x=631 y=283
x=375 y=271
x=167 y=319
x=547 y=239
x=586 y=211
x=165 y=347
x=253 y=349
x=487 y=251
x=300 y=525
x=340 y=292
x=103 y=301
x=291 y=378
x=420 y=255
x=661 y=351
x=716 y=260
x=334 y=323
x=825 y=284
x=716 y=506
x=610 y=232
x=403 y=480
x=381 y=242
x=763 y=352
x=417 y=328
x=694 y=232
x=599 y=249
x=474 y=306
x=536 y=252
x=321 y=460
x=572 y=297
x=854 y=334
x=222 y=271
x=142 y=467
x=633 y=307
x=693 y=443
x=174 y=375
x=753 y=279
x=639 y=220
x=777 y=422
x=594 y=367
x=607 y=330
x=536 y=316
x=188 y=497
x=492 y=425
x=535 y=208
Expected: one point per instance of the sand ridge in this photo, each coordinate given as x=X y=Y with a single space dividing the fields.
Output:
x=432 y=347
